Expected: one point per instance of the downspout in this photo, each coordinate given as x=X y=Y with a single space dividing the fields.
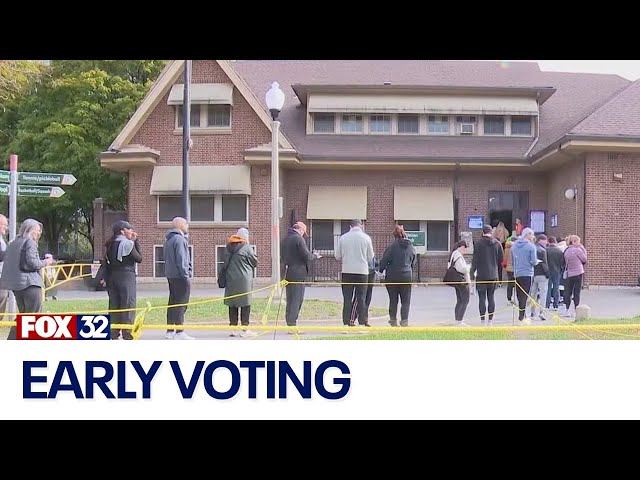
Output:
x=537 y=137
x=584 y=210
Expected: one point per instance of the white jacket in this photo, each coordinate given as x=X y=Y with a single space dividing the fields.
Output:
x=355 y=250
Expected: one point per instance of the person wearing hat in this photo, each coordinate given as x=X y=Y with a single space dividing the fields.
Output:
x=122 y=254
x=295 y=257
x=524 y=259
x=487 y=256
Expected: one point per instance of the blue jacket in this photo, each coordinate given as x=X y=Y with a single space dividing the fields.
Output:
x=523 y=258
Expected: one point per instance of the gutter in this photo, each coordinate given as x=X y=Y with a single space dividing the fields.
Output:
x=535 y=140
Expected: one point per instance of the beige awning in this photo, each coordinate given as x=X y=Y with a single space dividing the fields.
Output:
x=444 y=104
x=207 y=93
x=423 y=203
x=337 y=203
x=209 y=179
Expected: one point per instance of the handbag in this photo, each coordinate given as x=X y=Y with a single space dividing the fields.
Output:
x=452 y=277
x=222 y=275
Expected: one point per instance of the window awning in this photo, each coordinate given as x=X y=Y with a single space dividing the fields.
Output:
x=203 y=93
x=423 y=203
x=441 y=104
x=209 y=179
x=337 y=203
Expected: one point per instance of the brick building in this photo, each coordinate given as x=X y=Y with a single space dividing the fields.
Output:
x=433 y=145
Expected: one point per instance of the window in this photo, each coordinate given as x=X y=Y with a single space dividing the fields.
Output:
x=218 y=116
x=438 y=124
x=493 y=125
x=466 y=119
x=520 y=125
x=410 y=225
x=324 y=123
x=322 y=234
x=380 y=124
x=408 y=124
x=209 y=116
x=352 y=124
x=437 y=233
x=206 y=208
x=158 y=260
x=221 y=254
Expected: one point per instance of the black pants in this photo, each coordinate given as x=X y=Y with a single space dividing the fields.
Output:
x=354 y=299
x=462 y=300
x=295 y=298
x=523 y=287
x=122 y=295
x=486 y=299
x=28 y=300
x=179 y=293
x=403 y=293
x=367 y=296
x=244 y=315
x=510 y=286
x=572 y=288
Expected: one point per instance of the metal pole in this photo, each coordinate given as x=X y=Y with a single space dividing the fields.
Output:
x=186 y=140
x=13 y=195
x=275 y=204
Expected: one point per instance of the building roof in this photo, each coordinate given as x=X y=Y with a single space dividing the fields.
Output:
x=576 y=97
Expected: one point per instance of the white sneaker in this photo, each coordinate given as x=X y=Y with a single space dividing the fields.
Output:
x=462 y=324
x=248 y=333
x=526 y=321
x=183 y=336
x=490 y=323
x=170 y=335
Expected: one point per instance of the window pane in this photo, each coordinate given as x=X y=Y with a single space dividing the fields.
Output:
x=202 y=208
x=410 y=225
x=345 y=226
x=221 y=254
x=520 y=126
x=408 y=123
x=380 y=123
x=195 y=115
x=180 y=113
x=323 y=123
x=438 y=124
x=169 y=208
x=438 y=236
x=159 y=262
x=493 y=125
x=352 y=123
x=234 y=208
x=219 y=115
x=322 y=234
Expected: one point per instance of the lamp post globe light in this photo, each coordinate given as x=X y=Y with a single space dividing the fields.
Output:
x=275 y=101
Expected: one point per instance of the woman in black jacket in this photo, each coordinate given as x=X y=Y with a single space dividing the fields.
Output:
x=122 y=254
x=398 y=261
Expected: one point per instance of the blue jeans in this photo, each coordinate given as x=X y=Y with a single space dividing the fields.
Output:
x=554 y=289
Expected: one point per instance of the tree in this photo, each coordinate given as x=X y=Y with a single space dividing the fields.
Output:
x=15 y=77
x=63 y=125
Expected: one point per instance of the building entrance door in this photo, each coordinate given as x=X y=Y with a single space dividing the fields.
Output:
x=505 y=207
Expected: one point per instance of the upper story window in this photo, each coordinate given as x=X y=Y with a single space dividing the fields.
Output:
x=352 y=123
x=521 y=126
x=210 y=110
x=466 y=124
x=380 y=124
x=324 y=123
x=438 y=124
x=493 y=125
x=206 y=116
x=408 y=124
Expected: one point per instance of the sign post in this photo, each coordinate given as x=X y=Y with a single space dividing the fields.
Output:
x=13 y=193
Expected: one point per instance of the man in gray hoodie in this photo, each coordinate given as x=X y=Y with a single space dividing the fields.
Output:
x=178 y=270
x=524 y=259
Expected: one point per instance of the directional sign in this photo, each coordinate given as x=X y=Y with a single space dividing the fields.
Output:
x=34 y=191
x=35 y=178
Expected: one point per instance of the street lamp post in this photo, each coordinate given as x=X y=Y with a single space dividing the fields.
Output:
x=275 y=102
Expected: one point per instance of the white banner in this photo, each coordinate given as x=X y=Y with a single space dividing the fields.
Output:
x=385 y=380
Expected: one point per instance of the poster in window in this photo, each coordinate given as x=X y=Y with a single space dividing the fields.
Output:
x=537 y=220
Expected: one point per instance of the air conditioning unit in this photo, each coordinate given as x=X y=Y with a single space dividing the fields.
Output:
x=467 y=128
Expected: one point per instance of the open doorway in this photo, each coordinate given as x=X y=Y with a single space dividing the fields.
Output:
x=505 y=207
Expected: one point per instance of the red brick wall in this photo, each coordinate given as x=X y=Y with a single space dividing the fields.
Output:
x=158 y=132
x=566 y=176
x=612 y=238
x=103 y=219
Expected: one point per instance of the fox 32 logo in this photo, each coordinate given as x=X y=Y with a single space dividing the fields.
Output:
x=63 y=327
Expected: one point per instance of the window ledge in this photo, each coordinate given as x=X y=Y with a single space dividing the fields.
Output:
x=205 y=131
x=435 y=254
x=195 y=225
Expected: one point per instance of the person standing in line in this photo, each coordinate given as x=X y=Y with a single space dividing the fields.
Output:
x=355 y=250
x=179 y=272
x=508 y=267
x=371 y=279
x=555 y=258
x=4 y=294
x=240 y=264
x=524 y=259
x=519 y=228
x=575 y=257
x=21 y=270
x=540 y=283
x=463 y=290
x=500 y=233
x=487 y=256
x=123 y=252
x=296 y=258
x=397 y=265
